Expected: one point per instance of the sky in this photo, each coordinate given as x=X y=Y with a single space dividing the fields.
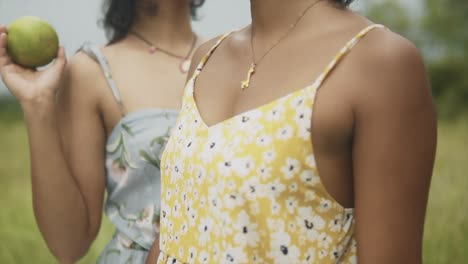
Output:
x=77 y=21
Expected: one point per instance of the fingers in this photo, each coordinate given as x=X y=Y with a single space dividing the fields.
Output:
x=4 y=58
x=61 y=59
x=3 y=29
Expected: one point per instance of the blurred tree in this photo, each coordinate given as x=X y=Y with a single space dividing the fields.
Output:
x=446 y=23
x=441 y=33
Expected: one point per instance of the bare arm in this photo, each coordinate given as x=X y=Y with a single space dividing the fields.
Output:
x=68 y=178
x=393 y=155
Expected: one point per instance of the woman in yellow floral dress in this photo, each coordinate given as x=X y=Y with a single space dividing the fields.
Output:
x=307 y=137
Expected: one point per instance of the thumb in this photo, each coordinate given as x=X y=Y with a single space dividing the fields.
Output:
x=61 y=59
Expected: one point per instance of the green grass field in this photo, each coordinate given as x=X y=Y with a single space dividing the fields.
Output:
x=446 y=237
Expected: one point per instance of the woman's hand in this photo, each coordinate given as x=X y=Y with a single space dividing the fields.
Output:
x=29 y=85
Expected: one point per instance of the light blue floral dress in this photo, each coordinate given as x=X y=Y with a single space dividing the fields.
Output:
x=133 y=182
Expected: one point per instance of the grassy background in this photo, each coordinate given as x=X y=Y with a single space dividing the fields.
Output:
x=446 y=236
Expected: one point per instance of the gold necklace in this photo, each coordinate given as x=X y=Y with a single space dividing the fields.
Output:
x=246 y=83
x=185 y=60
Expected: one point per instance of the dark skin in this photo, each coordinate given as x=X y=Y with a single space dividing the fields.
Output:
x=374 y=124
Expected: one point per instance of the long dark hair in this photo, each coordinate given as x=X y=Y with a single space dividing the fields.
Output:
x=119 y=16
x=344 y=3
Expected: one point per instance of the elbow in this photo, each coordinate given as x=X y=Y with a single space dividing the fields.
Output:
x=71 y=253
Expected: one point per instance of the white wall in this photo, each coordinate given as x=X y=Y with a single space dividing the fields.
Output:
x=76 y=21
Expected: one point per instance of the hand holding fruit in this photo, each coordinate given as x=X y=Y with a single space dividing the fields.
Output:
x=28 y=43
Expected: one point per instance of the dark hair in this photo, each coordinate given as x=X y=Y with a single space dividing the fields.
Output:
x=119 y=16
x=344 y=3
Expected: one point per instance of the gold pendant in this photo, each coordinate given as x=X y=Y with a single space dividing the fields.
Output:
x=246 y=83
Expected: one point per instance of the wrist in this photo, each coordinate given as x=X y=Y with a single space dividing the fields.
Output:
x=40 y=105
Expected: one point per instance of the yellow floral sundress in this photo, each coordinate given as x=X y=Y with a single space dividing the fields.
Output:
x=247 y=189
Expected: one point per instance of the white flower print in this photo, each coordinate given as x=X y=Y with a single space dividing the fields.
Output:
x=297 y=102
x=247 y=119
x=292 y=227
x=234 y=255
x=353 y=259
x=248 y=190
x=324 y=240
x=118 y=173
x=204 y=228
x=302 y=239
x=246 y=231
x=243 y=166
x=184 y=228
x=231 y=185
x=303 y=119
x=181 y=251
x=335 y=225
x=200 y=174
x=285 y=133
x=275 y=208
x=176 y=210
x=308 y=178
x=293 y=187
x=193 y=216
x=216 y=141
x=310 y=195
x=145 y=223
x=204 y=257
x=254 y=130
x=282 y=251
x=325 y=205
x=311 y=224
x=225 y=218
x=291 y=168
x=124 y=241
x=264 y=140
x=291 y=204
x=202 y=202
x=233 y=200
x=177 y=170
x=257 y=260
x=215 y=250
x=274 y=189
x=225 y=168
x=254 y=207
x=310 y=161
x=276 y=114
x=264 y=171
x=275 y=224
x=190 y=147
x=309 y=256
x=251 y=189
x=192 y=254
x=335 y=253
x=322 y=253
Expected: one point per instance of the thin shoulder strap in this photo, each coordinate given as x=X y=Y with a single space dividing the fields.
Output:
x=94 y=53
x=341 y=54
x=208 y=55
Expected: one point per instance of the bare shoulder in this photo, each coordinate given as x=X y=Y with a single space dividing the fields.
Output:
x=201 y=51
x=387 y=49
x=83 y=69
x=82 y=77
x=390 y=70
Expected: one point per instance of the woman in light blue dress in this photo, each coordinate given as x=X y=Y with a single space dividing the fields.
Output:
x=100 y=122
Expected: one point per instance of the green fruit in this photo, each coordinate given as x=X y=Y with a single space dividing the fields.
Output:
x=32 y=42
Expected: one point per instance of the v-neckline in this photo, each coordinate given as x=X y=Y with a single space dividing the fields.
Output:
x=248 y=111
x=316 y=84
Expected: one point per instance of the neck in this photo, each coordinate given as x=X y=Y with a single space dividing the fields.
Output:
x=272 y=16
x=169 y=24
